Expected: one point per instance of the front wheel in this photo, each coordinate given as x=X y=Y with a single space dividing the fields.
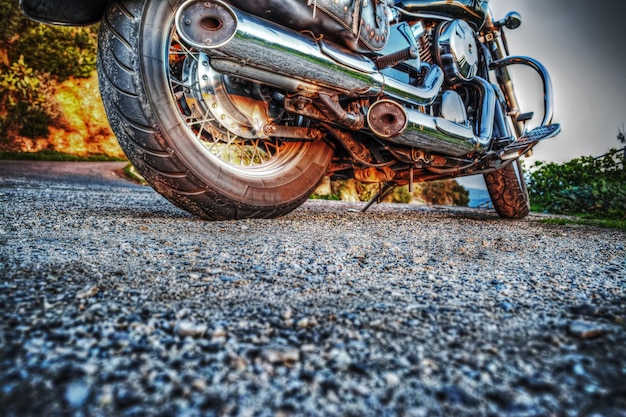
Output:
x=190 y=131
x=508 y=191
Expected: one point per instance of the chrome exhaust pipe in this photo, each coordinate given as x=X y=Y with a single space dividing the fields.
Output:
x=391 y=121
x=247 y=46
x=404 y=126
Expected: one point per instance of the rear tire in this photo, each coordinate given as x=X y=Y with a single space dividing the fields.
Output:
x=185 y=158
x=508 y=191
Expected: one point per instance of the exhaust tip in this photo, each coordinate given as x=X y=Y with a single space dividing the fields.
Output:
x=387 y=119
x=211 y=23
x=206 y=24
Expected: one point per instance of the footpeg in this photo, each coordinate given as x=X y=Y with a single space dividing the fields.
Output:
x=526 y=142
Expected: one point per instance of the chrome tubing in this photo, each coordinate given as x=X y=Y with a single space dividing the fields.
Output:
x=548 y=95
x=486 y=114
x=266 y=52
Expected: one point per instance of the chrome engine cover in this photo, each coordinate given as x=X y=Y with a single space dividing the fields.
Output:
x=458 y=51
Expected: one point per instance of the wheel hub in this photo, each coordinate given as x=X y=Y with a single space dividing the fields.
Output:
x=226 y=103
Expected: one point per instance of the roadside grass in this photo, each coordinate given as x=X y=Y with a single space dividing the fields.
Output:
x=48 y=155
x=131 y=173
x=588 y=220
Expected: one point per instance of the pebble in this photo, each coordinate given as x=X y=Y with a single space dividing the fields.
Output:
x=283 y=356
x=76 y=394
x=88 y=292
x=187 y=328
x=586 y=330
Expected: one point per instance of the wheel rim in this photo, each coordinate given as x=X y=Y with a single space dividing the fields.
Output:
x=224 y=119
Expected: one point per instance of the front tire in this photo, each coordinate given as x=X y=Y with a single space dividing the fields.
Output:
x=192 y=159
x=508 y=191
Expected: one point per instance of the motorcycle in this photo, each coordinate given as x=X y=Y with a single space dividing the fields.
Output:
x=236 y=109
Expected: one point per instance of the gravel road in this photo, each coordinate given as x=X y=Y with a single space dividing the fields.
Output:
x=113 y=302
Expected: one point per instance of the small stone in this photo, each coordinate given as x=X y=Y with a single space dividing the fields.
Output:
x=284 y=356
x=199 y=384
x=306 y=323
x=87 y=292
x=219 y=332
x=507 y=306
x=126 y=398
x=308 y=348
x=187 y=328
x=586 y=330
x=76 y=394
x=579 y=370
x=286 y=314
x=340 y=359
x=392 y=379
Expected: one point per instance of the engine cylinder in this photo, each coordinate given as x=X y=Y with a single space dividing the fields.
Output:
x=458 y=51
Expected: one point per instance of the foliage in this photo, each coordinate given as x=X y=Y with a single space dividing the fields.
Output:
x=447 y=192
x=59 y=51
x=34 y=59
x=25 y=106
x=583 y=185
x=62 y=52
x=12 y=22
x=132 y=174
x=21 y=83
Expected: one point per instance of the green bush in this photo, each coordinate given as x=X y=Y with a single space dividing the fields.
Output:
x=25 y=102
x=585 y=185
x=35 y=123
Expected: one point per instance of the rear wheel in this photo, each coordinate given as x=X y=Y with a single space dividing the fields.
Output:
x=192 y=132
x=508 y=191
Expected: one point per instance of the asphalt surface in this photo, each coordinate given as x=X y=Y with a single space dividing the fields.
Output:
x=114 y=302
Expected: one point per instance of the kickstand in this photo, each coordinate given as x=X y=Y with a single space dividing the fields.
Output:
x=384 y=192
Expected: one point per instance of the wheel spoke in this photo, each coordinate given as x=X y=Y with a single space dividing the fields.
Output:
x=195 y=96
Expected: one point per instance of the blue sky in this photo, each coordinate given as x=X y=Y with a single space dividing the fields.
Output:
x=583 y=44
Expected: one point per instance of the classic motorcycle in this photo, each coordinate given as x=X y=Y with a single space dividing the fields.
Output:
x=236 y=109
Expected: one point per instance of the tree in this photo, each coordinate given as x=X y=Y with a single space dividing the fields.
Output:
x=34 y=58
x=59 y=51
x=448 y=192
